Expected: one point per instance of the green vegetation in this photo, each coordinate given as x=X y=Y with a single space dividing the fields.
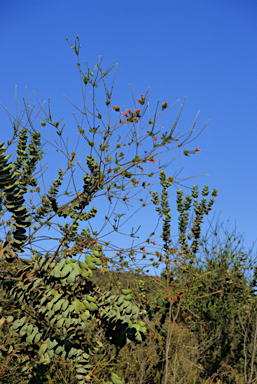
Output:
x=69 y=321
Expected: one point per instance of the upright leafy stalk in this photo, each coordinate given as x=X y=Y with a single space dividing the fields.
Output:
x=189 y=253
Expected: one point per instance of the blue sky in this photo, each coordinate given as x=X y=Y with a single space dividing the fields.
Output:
x=204 y=50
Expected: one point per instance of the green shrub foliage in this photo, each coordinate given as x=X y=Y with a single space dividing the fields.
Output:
x=55 y=307
x=61 y=300
x=216 y=302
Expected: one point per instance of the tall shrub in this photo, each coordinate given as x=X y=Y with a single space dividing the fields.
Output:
x=54 y=298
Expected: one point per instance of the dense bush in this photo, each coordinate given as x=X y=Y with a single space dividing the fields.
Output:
x=218 y=299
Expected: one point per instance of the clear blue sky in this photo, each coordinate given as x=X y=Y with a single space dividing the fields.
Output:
x=205 y=50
